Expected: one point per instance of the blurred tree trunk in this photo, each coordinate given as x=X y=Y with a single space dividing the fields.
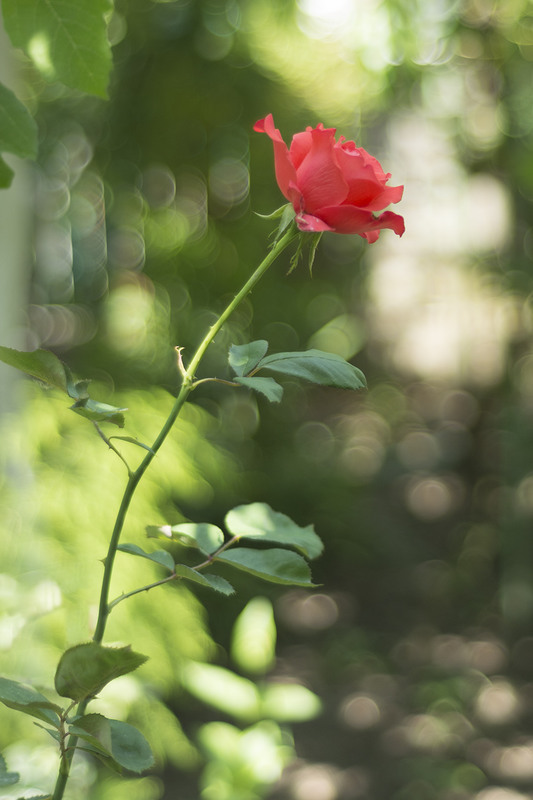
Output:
x=15 y=216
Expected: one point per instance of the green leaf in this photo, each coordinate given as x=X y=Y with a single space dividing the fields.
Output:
x=120 y=745
x=99 y=412
x=278 y=566
x=18 y=130
x=55 y=734
x=326 y=369
x=23 y=698
x=40 y=364
x=95 y=730
x=259 y=521
x=315 y=240
x=286 y=218
x=222 y=689
x=7 y=778
x=85 y=669
x=6 y=174
x=253 y=639
x=211 y=581
x=200 y=535
x=47 y=367
x=66 y=40
x=161 y=557
x=37 y=797
x=275 y=214
x=265 y=386
x=289 y=702
x=244 y=357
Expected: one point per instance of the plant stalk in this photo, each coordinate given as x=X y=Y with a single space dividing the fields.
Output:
x=136 y=476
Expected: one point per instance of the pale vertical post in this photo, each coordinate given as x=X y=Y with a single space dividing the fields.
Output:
x=15 y=248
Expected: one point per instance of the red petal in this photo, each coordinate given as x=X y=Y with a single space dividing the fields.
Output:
x=285 y=172
x=319 y=178
x=310 y=224
x=348 y=219
x=366 y=180
x=300 y=146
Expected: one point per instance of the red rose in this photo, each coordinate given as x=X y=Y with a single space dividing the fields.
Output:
x=333 y=186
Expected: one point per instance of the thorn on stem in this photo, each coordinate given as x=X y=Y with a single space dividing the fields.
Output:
x=181 y=366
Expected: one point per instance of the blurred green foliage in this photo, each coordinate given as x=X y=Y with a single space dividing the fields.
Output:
x=419 y=642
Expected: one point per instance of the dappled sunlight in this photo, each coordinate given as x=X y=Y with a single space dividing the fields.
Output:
x=434 y=311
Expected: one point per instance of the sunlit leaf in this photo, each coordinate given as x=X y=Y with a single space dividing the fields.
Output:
x=18 y=130
x=259 y=521
x=222 y=689
x=289 y=702
x=215 y=582
x=23 y=698
x=278 y=566
x=253 y=640
x=265 y=386
x=326 y=369
x=161 y=557
x=85 y=669
x=119 y=744
x=202 y=535
x=244 y=357
x=67 y=41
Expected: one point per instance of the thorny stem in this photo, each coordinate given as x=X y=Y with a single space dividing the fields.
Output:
x=188 y=383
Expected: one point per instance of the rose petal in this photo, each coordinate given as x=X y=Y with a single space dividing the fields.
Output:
x=310 y=224
x=318 y=177
x=366 y=180
x=300 y=146
x=285 y=172
x=348 y=219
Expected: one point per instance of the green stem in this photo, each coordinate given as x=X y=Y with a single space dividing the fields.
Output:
x=135 y=477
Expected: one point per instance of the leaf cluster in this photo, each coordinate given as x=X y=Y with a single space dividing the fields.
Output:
x=315 y=366
x=286 y=564
x=82 y=672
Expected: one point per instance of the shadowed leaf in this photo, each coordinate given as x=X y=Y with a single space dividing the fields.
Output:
x=117 y=743
x=23 y=698
x=244 y=357
x=278 y=566
x=211 y=581
x=265 y=386
x=326 y=369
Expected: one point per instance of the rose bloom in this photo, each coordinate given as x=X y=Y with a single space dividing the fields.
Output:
x=333 y=186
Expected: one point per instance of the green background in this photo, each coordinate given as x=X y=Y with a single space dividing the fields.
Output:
x=141 y=219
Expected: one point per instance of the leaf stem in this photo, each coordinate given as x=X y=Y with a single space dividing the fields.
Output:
x=173 y=577
x=112 y=447
x=188 y=382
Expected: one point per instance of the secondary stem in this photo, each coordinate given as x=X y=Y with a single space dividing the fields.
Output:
x=136 y=476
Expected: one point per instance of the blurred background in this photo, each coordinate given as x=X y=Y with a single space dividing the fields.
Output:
x=131 y=233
